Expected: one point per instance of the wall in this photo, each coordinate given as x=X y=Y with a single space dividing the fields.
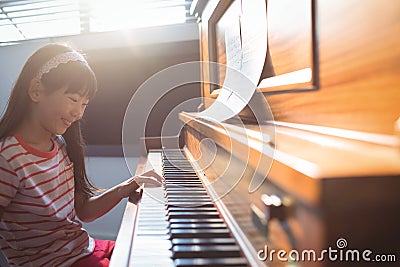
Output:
x=120 y=73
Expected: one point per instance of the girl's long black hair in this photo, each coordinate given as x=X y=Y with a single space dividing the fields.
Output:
x=79 y=78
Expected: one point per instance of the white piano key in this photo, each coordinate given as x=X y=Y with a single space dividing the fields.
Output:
x=151 y=244
x=153 y=262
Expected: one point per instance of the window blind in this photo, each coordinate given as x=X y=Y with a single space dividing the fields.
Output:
x=31 y=19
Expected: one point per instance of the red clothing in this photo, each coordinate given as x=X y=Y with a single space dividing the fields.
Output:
x=39 y=226
x=100 y=257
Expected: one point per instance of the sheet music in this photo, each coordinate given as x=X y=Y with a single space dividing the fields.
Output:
x=246 y=49
x=254 y=38
x=233 y=44
x=234 y=55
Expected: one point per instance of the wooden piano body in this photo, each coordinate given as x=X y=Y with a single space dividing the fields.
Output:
x=335 y=161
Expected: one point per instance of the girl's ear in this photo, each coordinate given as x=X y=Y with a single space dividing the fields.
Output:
x=35 y=90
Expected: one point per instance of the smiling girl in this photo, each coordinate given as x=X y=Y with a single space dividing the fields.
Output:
x=43 y=183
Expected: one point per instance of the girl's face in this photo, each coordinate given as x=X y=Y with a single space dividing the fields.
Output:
x=58 y=110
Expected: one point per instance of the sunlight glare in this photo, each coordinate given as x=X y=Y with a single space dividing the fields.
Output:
x=31 y=20
x=125 y=14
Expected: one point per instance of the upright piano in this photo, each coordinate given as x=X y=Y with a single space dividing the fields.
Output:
x=317 y=184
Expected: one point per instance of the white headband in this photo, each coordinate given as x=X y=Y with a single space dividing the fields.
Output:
x=60 y=59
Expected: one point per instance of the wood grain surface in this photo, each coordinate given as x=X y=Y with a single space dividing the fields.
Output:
x=358 y=44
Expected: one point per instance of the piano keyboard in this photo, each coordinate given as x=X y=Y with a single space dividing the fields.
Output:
x=179 y=225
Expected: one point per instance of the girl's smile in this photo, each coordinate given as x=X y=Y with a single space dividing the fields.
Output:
x=66 y=122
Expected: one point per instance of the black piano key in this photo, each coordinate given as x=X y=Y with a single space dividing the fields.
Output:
x=185 y=189
x=191 y=209
x=181 y=176
x=193 y=201
x=193 y=198
x=231 y=262
x=188 y=181
x=188 y=176
x=183 y=185
x=203 y=241
x=190 y=204
x=180 y=191
x=178 y=167
x=197 y=226
x=197 y=233
x=185 y=179
x=190 y=212
x=176 y=160
x=188 y=199
x=186 y=193
x=203 y=251
x=176 y=177
x=194 y=195
x=169 y=177
x=192 y=215
x=196 y=220
x=179 y=162
x=186 y=203
x=179 y=170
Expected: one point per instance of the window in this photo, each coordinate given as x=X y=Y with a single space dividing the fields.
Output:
x=23 y=19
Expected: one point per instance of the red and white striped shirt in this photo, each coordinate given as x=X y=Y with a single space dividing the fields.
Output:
x=38 y=226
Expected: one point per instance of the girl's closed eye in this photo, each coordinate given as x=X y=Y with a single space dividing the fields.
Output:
x=76 y=100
